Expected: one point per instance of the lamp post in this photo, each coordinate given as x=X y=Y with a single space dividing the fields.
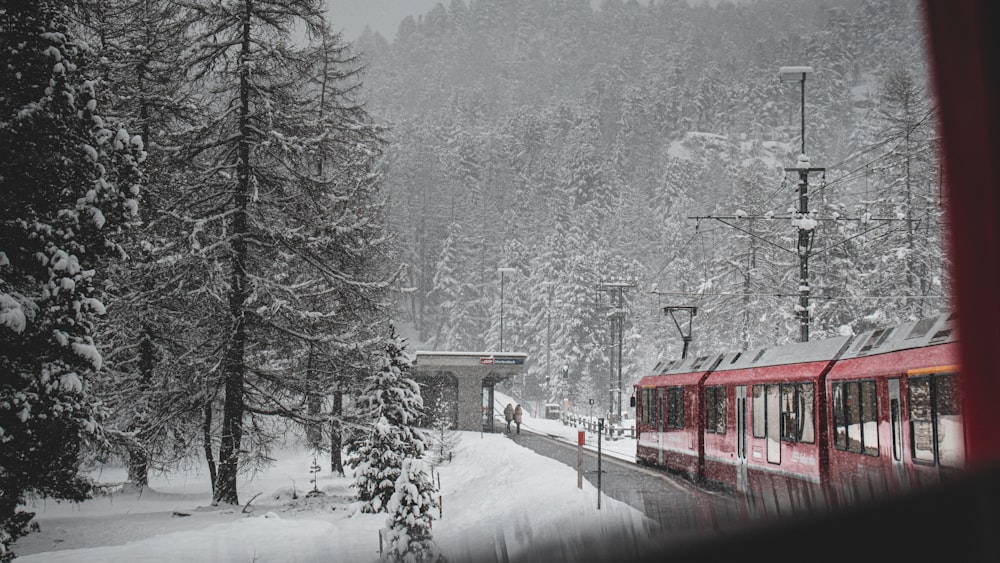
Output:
x=563 y=383
x=805 y=224
x=503 y=271
x=798 y=74
x=548 y=330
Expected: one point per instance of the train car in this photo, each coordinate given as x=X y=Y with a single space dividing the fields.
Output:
x=669 y=419
x=765 y=437
x=895 y=423
x=806 y=426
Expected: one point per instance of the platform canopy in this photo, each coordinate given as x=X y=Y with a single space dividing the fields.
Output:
x=458 y=386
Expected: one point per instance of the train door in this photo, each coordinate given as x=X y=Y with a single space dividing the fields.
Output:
x=773 y=409
x=896 y=425
x=660 y=397
x=741 y=438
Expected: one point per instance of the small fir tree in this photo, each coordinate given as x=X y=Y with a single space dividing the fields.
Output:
x=412 y=506
x=391 y=401
x=443 y=438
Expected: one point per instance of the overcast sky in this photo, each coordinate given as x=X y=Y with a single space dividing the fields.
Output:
x=351 y=16
x=383 y=16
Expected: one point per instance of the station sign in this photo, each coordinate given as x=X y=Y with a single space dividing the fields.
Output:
x=493 y=360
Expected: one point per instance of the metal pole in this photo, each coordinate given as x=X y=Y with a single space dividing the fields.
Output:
x=548 y=336
x=803 y=250
x=501 y=310
x=803 y=113
x=804 y=234
x=621 y=327
x=600 y=430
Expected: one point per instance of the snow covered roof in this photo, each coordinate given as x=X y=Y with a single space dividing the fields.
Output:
x=914 y=334
x=489 y=359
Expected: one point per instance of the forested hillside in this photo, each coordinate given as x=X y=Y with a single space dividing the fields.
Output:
x=578 y=146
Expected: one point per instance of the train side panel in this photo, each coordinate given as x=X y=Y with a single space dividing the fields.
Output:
x=895 y=424
x=669 y=416
x=770 y=445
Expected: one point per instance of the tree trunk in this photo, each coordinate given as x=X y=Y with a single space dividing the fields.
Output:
x=314 y=430
x=207 y=437
x=138 y=461
x=234 y=369
x=336 y=439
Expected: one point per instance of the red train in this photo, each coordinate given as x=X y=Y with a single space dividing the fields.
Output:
x=811 y=425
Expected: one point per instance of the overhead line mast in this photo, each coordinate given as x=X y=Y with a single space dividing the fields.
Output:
x=617 y=316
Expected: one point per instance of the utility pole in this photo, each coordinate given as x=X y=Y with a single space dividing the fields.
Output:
x=806 y=224
x=548 y=331
x=617 y=317
x=502 y=272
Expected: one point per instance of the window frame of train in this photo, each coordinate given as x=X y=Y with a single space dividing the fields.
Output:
x=932 y=404
x=647 y=399
x=675 y=407
x=798 y=417
x=797 y=412
x=844 y=395
x=715 y=409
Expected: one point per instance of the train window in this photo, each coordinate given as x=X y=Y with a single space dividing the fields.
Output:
x=675 y=407
x=759 y=412
x=940 y=336
x=873 y=340
x=649 y=406
x=921 y=420
x=935 y=427
x=773 y=398
x=807 y=429
x=797 y=412
x=922 y=327
x=897 y=436
x=839 y=418
x=950 y=442
x=855 y=417
x=715 y=409
x=869 y=418
x=644 y=410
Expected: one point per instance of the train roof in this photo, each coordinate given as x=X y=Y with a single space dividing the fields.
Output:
x=930 y=331
x=686 y=365
x=914 y=334
x=793 y=353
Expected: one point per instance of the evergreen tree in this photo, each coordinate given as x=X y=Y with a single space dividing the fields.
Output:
x=69 y=182
x=412 y=506
x=390 y=405
x=288 y=221
x=140 y=45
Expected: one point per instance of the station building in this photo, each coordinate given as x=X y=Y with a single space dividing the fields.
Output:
x=457 y=387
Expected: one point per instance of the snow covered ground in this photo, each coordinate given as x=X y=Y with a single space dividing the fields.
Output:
x=499 y=501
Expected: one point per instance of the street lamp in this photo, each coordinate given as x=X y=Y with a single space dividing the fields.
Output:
x=502 y=272
x=798 y=74
x=548 y=330
x=563 y=384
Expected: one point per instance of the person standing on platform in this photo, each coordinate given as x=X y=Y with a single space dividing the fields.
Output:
x=518 y=413
x=508 y=414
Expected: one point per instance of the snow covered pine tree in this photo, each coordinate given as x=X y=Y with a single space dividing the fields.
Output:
x=391 y=401
x=69 y=184
x=408 y=529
